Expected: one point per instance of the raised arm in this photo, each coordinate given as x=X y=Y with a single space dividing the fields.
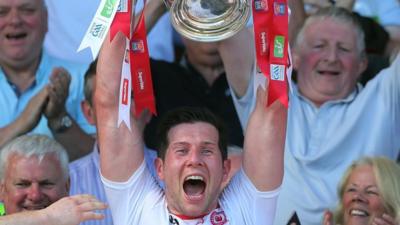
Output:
x=238 y=52
x=154 y=10
x=265 y=143
x=121 y=150
x=296 y=19
x=55 y=111
x=237 y=55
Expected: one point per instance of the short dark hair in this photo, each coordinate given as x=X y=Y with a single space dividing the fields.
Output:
x=88 y=86
x=189 y=115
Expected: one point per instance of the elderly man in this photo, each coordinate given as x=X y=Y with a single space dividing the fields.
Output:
x=192 y=161
x=37 y=93
x=33 y=176
x=34 y=173
x=332 y=120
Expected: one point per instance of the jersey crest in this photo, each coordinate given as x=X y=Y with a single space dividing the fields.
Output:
x=218 y=217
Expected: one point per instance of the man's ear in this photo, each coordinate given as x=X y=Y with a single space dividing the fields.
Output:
x=88 y=112
x=227 y=169
x=159 y=168
x=363 y=65
x=295 y=58
x=226 y=173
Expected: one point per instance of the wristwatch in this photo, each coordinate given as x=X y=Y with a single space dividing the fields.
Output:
x=62 y=124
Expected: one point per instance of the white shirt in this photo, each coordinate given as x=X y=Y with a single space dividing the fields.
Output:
x=141 y=201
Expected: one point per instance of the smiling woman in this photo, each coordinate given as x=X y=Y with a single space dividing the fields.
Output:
x=369 y=193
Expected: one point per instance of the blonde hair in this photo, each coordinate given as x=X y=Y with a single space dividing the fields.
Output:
x=387 y=175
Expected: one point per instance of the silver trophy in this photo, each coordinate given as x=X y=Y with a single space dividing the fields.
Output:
x=208 y=20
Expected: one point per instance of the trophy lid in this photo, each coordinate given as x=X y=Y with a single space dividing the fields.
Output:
x=209 y=20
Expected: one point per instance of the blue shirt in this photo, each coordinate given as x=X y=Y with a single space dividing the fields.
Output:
x=12 y=104
x=85 y=179
x=322 y=142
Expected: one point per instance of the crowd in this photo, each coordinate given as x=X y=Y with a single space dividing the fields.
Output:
x=215 y=153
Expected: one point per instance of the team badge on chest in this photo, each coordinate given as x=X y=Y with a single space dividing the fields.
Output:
x=218 y=217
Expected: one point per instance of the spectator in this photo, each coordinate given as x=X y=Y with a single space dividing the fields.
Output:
x=34 y=173
x=38 y=95
x=192 y=161
x=383 y=39
x=379 y=48
x=369 y=193
x=66 y=211
x=332 y=120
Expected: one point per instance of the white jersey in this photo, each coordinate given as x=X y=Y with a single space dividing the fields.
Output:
x=141 y=201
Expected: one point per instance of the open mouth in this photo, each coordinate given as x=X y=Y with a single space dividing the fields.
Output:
x=358 y=212
x=328 y=73
x=16 y=36
x=194 y=187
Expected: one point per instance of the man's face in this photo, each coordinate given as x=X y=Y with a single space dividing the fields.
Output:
x=328 y=61
x=30 y=185
x=23 y=25
x=193 y=169
x=202 y=53
x=362 y=200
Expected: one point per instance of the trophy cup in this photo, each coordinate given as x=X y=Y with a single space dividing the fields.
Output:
x=208 y=20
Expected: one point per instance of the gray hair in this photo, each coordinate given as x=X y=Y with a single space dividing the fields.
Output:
x=341 y=15
x=34 y=145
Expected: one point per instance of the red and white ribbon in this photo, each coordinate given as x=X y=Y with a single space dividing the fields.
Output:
x=125 y=91
x=142 y=83
x=270 y=19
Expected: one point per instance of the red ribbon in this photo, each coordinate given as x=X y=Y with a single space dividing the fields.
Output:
x=142 y=84
x=270 y=19
x=122 y=20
